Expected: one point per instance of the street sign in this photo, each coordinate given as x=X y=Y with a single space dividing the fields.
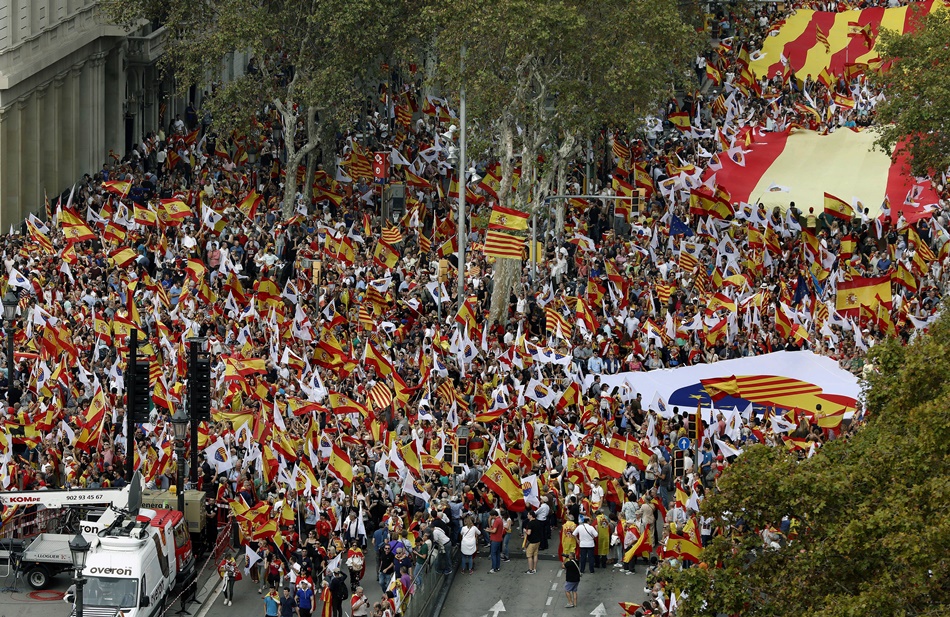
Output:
x=683 y=443
x=381 y=167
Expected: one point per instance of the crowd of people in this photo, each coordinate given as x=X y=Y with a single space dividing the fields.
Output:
x=344 y=360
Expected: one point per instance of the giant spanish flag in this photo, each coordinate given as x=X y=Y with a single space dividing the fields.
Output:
x=801 y=166
x=852 y=37
x=860 y=291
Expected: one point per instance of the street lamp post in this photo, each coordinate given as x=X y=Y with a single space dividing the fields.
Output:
x=180 y=426
x=78 y=550
x=10 y=305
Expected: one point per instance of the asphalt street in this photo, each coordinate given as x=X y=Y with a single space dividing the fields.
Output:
x=511 y=592
x=514 y=593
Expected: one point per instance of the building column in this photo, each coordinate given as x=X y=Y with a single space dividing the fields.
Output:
x=114 y=116
x=30 y=195
x=85 y=112
x=67 y=123
x=49 y=138
x=99 y=151
x=3 y=160
x=63 y=134
x=10 y=166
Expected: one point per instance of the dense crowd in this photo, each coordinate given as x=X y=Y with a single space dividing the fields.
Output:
x=341 y=368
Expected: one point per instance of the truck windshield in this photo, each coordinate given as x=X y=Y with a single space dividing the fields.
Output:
x=117 y=592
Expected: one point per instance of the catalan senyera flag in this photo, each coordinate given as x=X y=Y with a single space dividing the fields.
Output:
x=503 y=245
x=501 y=481
x=555 y=323
x=508 y=219
x=608 y=461
x=776 y=391
x=391 y=235
x=801 y=39
x=862 y=291
x=838 y=208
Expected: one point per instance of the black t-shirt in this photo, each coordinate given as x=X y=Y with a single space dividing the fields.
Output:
x=536 y=528
x=572 y=573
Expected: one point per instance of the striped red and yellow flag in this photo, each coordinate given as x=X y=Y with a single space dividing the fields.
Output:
x=425 y=244
x=391 y=235
x=822 y=37
x=380 y=396
x=503 y=245
x=555 y=323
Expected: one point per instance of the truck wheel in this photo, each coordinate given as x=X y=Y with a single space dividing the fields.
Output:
x=37 y=577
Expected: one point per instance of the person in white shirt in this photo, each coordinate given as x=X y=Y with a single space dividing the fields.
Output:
x=587 y=541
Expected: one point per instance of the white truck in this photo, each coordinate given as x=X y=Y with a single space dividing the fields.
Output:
x=138 y=556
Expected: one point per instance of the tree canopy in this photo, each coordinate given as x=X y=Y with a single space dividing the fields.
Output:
x=314 y=62
x=916 y=109
x=542 y=75
x=873 y=535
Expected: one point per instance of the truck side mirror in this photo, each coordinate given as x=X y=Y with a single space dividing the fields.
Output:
x=145 y=602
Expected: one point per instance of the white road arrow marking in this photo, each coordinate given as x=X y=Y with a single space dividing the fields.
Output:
x=500 y=608
x=600 y=611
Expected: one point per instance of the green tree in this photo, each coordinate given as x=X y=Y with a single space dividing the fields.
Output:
x=916 y=106
x=315 y=60
x=541 y=75
x=874 y=527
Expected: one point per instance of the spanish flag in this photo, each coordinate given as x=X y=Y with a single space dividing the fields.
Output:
x=838 y=208
x=118 y=187
x=508 y=219
x=861 y=290
x=74 y=228
x=683 y=547
x=500 y=480
x=903 y=277
x=339 y=465
x=680 y=120
x=249 y=204
x=123 y=257
x=498 y=244
x=385 y=255
x=608 y=461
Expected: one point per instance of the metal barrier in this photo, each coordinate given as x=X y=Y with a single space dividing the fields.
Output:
x=429 y=584
x=30 y=524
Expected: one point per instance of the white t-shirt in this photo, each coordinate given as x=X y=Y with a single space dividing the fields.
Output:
x=586 y=536
x=596 y=494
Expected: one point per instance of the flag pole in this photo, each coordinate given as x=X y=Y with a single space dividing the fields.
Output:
x=462 y=183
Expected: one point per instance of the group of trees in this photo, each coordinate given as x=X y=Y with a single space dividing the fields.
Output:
x=541 y=76
x=872 y=511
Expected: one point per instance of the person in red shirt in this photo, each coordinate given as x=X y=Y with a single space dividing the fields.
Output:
x=496 y=534
x=323 y=531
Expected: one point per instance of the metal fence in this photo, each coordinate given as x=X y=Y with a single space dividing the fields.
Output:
x=430 y=583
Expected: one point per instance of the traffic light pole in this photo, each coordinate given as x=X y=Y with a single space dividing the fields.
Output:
x=195 y=347
x=129 y=393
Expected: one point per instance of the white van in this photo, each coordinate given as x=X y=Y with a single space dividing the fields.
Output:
x=130 y=567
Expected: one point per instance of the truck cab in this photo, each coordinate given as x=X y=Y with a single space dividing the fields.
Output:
x=137 y=561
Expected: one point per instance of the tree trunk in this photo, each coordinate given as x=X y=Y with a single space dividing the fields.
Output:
x=294 y=156
x=505 y=271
